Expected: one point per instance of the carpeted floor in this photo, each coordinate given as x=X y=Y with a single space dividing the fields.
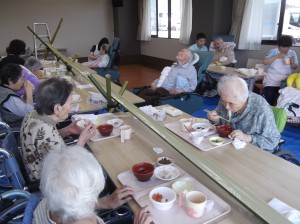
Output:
x=291 y=134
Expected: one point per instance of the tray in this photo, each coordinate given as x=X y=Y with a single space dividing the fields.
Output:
x=176 y=214
x=205 y=145
x=101 y=119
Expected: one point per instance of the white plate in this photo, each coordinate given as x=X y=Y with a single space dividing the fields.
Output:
x=166 y=172
x=115 y=122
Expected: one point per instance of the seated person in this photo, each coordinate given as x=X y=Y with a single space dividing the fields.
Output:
x=222 y=56
x=200 y=43
x=181 y=78
x=71 y=180
x=102 y=61
x=250 y=115
x=28 y=76
x=278 y=70
x=13 y=107
x=14 y=51
x=35 y=66
x=95 y=51
x=39 y=134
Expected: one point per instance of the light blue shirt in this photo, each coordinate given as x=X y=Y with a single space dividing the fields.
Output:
x=18 y=106
x=195 y=48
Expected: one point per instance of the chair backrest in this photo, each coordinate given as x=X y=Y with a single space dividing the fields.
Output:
x=187 y=102
x=113 y=51
x=205 y=58
x=280 y=117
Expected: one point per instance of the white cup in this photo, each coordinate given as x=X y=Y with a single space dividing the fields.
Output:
x=287 y=60
x=196 y=137
x=260 y=71
x=185 y=123
x=126 y=132
x=196 y=202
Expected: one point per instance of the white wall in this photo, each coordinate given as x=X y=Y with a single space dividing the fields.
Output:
x=85 y=22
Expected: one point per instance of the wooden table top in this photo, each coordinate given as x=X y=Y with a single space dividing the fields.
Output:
x=265 y=175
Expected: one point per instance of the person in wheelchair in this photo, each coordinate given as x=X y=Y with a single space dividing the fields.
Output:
x=248 y=113
x=223 y=56
x=13 y=107
x=179 y=78
x=102 y=60
x=71 y=180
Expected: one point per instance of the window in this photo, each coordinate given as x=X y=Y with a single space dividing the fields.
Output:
x=165 y=18
x=281 y=17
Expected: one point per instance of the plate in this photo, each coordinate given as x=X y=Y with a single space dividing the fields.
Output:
x=115 y=122
x=76 y=98
x=166 y=172
x=216 y=140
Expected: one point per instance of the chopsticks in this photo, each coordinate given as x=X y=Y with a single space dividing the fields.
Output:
x=218 y=115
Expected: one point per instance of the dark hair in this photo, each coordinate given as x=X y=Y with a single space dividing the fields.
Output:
x=10 y=73
x=285 y=41
x=16 y=47
x=51 y=92
x=104 y=40
x=200 y=35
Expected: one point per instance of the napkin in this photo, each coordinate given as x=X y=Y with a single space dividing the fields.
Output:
x=238 y=144
x=290 y=213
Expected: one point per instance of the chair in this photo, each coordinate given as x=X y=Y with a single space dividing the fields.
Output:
x=186 y=102
x=110 y=68
x=204 y=61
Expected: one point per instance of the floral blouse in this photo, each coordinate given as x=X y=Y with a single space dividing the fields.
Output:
x=39 y=135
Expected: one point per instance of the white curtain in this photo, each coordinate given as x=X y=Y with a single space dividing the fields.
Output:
x=251 y=29
x=186 y=21
x=144 y=28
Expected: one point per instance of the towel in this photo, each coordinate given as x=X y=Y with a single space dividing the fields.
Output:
x=290 y=213
x=238 y=144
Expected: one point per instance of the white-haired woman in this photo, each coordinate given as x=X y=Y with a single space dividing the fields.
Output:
x=71 y=181
x=250 y=115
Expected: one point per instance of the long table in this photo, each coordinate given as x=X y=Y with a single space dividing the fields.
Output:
x=218 y=71
x=264 y=175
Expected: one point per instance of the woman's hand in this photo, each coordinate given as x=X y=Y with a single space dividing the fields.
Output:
x=213 y=116
x=88 y=132
x=241 y=136
x=28 y=87
x=143 y=216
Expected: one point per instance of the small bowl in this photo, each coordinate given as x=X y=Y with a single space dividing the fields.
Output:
x=201 y=127
x=105 y=129
x=164 y=161
x=182 y=185
x=224 y=130
x=143 y=171
x=162 y=198
x=216 y=140
x=166 y=172
x=115 y=122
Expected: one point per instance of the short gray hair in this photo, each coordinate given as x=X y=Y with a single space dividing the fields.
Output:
x=235 y=86
x=190 y=54
x=32 y=63
x=71 y=180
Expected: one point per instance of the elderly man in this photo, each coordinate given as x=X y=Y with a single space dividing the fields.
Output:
x=222 y=53
x=180 y=78
x=250 y=115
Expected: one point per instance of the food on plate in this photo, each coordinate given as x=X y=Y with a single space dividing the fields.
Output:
x=162 y=198
x=164 y=161
x=115 y=122
x=166 y=172
x=215 y=140
x=201 y=127
x=159 y=198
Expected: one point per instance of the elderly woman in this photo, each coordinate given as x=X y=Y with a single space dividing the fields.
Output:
x=13 y=107
x=95 y=50
x=250 y=115
x=71 y=181
x=14 y=51
x=103 y=59
x=34 y=65
x=222 y=52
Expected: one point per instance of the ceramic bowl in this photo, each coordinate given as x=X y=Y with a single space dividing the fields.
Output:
x=143 y=171
x=166 y=172
x=224 y=130
x=201 y=127
x=105 y=129
x=162 y=198
x=216 y=140
x=164 y=161
x=182 y=185
x=115 y=122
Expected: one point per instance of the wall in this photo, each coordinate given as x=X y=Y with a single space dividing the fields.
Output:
x=85 y=22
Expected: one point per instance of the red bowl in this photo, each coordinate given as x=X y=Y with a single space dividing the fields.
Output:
x=105 y=129
x=224 y=130
x=143 y=171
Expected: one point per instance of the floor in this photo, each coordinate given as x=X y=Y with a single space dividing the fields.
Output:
x=138 y=75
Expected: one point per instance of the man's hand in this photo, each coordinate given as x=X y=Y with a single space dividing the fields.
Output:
x=213 y=116
x=119 y=197
x=241 y=136
x=143 y=216
x=88 y=132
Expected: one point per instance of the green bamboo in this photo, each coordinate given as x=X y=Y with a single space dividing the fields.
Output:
x=108 y=91
x=96 y=84
x=122 y=90
x=52 y=38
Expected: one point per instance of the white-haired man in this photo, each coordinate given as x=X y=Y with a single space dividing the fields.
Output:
x=250 y=115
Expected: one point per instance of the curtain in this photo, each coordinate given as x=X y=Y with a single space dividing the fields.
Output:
x=144 y=28
x=237 y=15
x=251 y=29
x=186 y=21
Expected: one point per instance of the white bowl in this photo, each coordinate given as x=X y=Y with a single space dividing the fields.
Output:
x=83 y=123
x=166 y=172
x=216 y=140
x=115 y=122
x=168 y=198
x=182 y=185
x=163 y=161
x=201 y=127
x=196 y=137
